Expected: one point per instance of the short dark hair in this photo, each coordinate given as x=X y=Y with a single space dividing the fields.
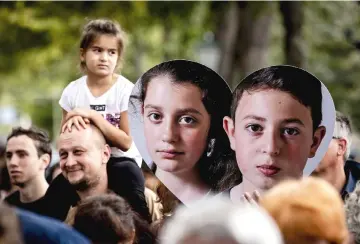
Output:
x=302 y=85
x=41 y=139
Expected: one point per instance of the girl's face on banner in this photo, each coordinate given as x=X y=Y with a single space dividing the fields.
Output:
x=176 y=124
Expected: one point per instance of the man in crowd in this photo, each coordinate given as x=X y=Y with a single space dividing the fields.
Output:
x=27 y=155
x=334 y=167
x=84 y=156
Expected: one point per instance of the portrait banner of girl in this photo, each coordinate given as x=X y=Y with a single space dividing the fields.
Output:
x=282 y=120
x=176 y=111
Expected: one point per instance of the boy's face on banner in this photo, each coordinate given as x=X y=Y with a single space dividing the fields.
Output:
x=272 y=137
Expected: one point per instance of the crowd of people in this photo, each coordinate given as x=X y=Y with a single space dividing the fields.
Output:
x=226 y=166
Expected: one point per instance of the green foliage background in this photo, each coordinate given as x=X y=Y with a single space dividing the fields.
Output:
x=39 y=46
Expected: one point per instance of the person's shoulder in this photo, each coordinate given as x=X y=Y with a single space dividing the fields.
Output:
x=38 y=229
x=124 y=170
x=125 y=164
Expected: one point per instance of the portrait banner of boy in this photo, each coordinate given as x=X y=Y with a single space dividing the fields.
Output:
x=281 y=123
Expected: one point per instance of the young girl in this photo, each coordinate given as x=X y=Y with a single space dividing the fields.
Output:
x=182 y=104
x=101 y=97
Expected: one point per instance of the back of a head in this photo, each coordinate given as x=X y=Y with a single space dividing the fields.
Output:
x=105 y=219
x=302 y=85
x=307 y=208
x=217 y=220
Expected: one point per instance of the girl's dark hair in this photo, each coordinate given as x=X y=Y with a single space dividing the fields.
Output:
x=219 y=170
x=109 y=218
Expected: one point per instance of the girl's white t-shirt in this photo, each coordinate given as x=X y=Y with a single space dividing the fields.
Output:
x=110 y=105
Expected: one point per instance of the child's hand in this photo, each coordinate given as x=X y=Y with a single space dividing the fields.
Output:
x=252 y=199
x=83 y=112
x=78 y=121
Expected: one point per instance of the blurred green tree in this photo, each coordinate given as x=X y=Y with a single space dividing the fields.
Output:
x=39 y=44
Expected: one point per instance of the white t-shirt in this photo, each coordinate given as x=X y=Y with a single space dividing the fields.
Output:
x=109 y=105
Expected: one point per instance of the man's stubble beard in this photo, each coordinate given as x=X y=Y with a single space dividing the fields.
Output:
x=22 y=182
x=85 y=184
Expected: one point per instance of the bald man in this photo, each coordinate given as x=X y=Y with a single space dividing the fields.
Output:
x=84 y=162
x=83 y=158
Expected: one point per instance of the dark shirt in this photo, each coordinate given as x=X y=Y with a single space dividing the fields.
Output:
x=39 y=229
x=37 y=206
x=352 y=172
x=124 y=178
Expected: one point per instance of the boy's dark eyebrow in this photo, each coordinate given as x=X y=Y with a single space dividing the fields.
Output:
x=290 y=120
x=254 y=117
x=294 y=120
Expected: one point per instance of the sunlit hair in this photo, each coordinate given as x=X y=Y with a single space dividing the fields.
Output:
x=352 y=208
x=343 y=130
x=307 y=208
x=95 y=28
x=167 y=199
x=217 y=220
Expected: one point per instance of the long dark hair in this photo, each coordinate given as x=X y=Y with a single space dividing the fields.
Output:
x=219 y=170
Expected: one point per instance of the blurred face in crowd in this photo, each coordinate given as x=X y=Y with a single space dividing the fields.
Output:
x=23 y=162
x=331 y=167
